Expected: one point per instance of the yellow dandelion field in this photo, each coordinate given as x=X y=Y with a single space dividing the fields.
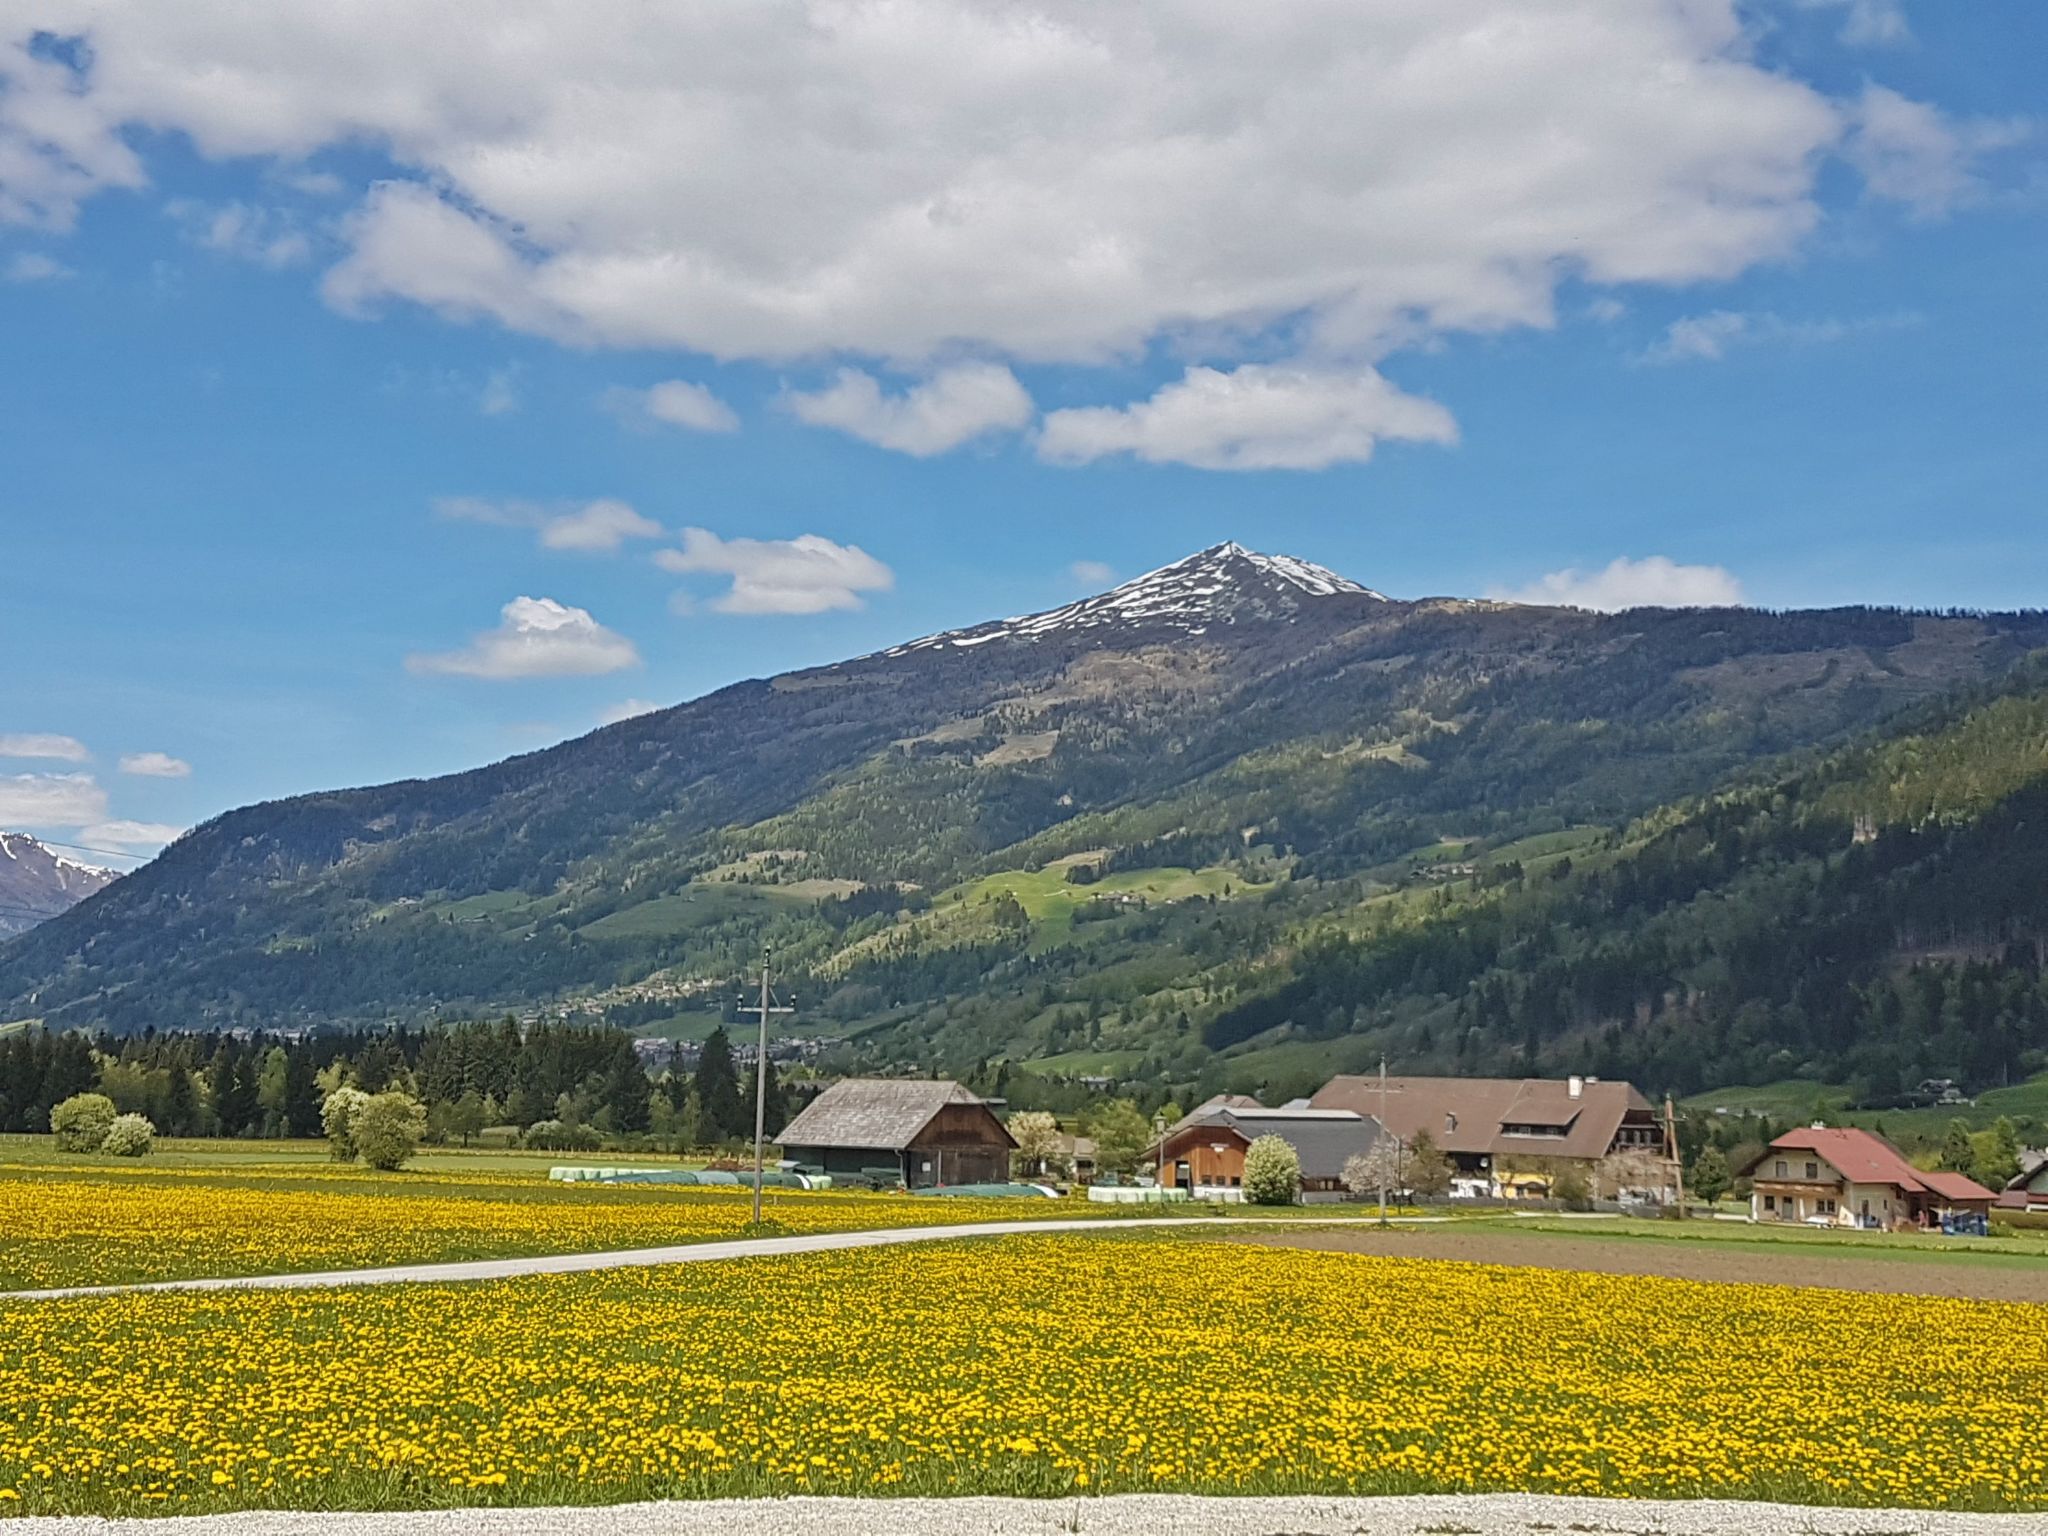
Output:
x=1035 y=1365
x=111 y=1228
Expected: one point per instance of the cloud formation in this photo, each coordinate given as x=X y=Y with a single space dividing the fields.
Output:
x=535 y=637
x=130 y=835
x=680 y=403
x=34 y=267
x=1911 y=153
x=595 y=527
x=50 y=800
x=45 y=744
x=1091 y=573
x=1656 y=582
x=627 y=709
x=806 y=574
x=1712 y=336
x=1254 y=417
x=953 y=406
x=156 y=765
x=263 y=236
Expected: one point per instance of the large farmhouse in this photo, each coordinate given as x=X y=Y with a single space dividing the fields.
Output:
x=1204 y=1152
x=1844 y=1176
x=1510 y=1138
x=917 y=1132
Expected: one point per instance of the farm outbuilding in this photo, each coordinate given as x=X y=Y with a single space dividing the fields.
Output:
x=925 y=1133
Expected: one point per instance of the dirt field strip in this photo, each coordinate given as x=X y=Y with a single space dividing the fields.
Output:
x=1677 y=1259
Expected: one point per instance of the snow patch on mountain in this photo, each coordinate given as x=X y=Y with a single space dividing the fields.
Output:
x=37 y=882
x=1225 y=584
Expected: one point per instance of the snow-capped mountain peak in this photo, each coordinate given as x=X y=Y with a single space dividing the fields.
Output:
x=37 y=882
x=1224 y=584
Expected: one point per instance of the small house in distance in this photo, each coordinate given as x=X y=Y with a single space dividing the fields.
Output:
x=1844 y=1176
x=1203 y=1153
x=924 y=1132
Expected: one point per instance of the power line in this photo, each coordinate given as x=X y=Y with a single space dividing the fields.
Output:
x=112 y=853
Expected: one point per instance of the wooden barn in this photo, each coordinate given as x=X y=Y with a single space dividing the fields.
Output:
x=924 y=1133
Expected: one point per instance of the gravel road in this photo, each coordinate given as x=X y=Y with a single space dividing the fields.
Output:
x=571 y=1263
x=1508 y=1514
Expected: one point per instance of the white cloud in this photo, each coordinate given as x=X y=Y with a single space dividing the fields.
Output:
x=628 y=709
x=953 y=406
x=34 y=267
x=595 y=527
x=1712 y=336
x=680 y=403
x=500 y=393
x=537 y=637
x=130 y=834
x=50 y=800
x=1053 y=181
x=65 y=749
x=1867 y=23
x=598 y=527
x=264 y=236
x=1091 y=573
x=1911 y=153
x=1657 y=582
x=58 y=146
x=1254 y=417
x=156 y=765
x=807 y=574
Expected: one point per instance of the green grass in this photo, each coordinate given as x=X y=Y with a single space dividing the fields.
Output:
x=1050 y=900
x=2026 y=1251
x=1794 y=1100
x=1116 y=1064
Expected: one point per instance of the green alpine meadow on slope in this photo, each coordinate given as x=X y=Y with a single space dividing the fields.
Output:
x=1684 y=847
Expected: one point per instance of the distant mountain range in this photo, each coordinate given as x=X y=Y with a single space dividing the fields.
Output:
x=37 y=882
x=1094 y=837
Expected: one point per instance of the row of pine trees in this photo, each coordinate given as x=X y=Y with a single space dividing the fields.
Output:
x=470 y=1076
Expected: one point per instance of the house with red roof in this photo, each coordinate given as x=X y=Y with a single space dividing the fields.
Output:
x=1849 y=1177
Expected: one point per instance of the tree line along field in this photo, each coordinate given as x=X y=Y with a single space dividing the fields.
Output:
x=1041 y=1365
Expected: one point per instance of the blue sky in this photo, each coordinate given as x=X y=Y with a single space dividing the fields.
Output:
x=321 y=338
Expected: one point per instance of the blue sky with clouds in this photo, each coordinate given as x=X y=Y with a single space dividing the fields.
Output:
x=381 y=394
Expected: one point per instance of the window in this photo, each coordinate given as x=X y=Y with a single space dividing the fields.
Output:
x=1770 y=1202
x=1783 y=1168
x=1813 y=1170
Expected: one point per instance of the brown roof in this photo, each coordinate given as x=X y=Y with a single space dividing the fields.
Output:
x=1864 y=1157
x=1471 y=1114
x=878 y=1113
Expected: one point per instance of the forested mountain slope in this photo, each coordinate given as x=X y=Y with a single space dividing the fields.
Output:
x=1217 y=757
x=1878 y=918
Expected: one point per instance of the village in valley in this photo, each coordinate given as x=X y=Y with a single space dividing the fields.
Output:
x=936 y=767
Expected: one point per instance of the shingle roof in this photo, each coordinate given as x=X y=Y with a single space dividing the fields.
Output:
x=1864 y=1157
x=1324 y=1139
x=878 y=1113
x=1469 y=1114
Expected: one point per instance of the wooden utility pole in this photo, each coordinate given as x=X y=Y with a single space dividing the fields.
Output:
x=766 y=1006
x=1671 y=1150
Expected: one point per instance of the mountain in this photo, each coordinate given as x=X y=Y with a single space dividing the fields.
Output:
x=1110 y=821
x=37 y=883
x=1228 y=584
x=1878 y=917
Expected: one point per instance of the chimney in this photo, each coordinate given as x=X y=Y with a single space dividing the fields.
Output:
x=1576 y=1086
